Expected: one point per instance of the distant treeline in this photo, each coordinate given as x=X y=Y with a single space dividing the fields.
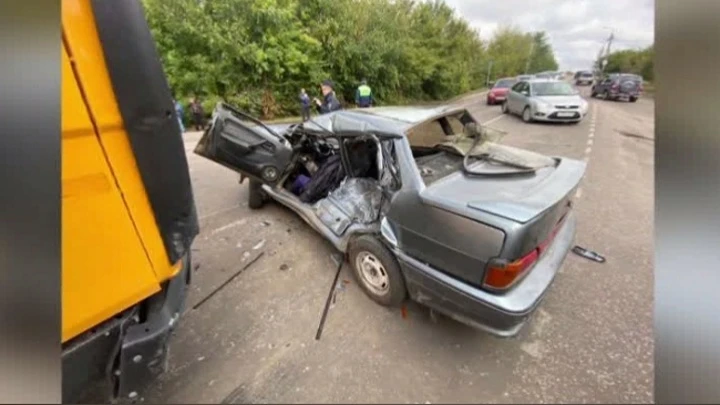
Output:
x=257 y=54
x=637 y=61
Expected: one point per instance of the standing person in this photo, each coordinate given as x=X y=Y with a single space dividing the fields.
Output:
x=179 y=110
x=197 y=113
x=304 y=105
x=363 y=95
x=330 y=103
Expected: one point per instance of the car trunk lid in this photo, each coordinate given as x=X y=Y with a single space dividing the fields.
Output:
x=532 y=205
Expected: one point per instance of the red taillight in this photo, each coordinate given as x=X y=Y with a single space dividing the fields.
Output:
x=501 y=275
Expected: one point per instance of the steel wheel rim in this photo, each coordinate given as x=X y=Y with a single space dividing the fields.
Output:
x=526 y=115
x=372 y=273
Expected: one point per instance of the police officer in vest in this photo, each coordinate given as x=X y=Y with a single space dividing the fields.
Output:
x=363 y=95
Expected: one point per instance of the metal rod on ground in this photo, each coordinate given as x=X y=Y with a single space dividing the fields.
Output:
x=196 y=306
x=340 y=261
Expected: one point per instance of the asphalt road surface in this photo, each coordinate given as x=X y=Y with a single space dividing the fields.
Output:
x=591 y=339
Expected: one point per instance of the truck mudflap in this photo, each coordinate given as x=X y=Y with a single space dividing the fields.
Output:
x=118 y=360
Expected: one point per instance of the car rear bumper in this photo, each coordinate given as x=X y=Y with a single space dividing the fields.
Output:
x=502 y=315
x=495 y=98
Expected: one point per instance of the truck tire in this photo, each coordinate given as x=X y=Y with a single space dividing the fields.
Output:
x=377 y=271
x=256 y=196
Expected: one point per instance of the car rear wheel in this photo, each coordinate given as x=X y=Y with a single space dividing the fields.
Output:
x=526 y=116
x=606 y=95
x=633 y=99
x=256 y=196
x=377 y=271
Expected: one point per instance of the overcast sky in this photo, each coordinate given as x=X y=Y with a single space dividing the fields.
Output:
x=576 y=28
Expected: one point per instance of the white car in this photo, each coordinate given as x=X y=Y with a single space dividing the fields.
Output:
x=545 y=100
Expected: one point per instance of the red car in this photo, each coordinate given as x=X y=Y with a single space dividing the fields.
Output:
x=498 y=92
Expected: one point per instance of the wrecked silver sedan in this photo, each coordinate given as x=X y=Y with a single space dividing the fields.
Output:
x=420 y=201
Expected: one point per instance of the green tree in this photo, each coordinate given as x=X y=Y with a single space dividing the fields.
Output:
x=257 y=54
x=636 y=61
x=515 y=52
x=542 y=57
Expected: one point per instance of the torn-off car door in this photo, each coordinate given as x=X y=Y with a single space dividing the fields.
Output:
x=246 y=145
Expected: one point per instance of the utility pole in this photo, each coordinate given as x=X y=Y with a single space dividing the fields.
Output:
x=487 y=80
x=604 y=60
x=530 y=55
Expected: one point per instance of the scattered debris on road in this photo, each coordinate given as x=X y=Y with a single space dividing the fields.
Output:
x=284 y=267
x=259 y=245
x=588 y=254
x=213 y=292
x=633 y=135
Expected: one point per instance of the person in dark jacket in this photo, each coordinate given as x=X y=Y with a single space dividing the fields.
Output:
x=304 y=105
x=330 y=103
x=197 y=113
x=363 y=95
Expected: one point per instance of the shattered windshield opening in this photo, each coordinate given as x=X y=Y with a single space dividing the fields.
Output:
x=482 y=156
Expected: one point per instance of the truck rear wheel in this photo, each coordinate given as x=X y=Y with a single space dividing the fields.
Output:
x=377 y=271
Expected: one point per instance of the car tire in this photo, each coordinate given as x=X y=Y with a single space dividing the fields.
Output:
x=377 y=271
x=633 y=99
x=488 y=102
x=504 y=108
x=526 y=115
x=606 y=95
x=256 y=196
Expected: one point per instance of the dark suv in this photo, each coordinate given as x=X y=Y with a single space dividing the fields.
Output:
x=618 y=86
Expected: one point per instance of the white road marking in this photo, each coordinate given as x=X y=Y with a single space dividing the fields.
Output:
x=587 y=151
x=493 y=120
x=222 y=211
x=592 y=134
x=228 y=226
x=590 y=142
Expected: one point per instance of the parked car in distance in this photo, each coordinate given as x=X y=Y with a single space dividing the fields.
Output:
x=545 y=100
x=584 y=78
x=497 y=93
x=496 y=223
x=617 y=86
